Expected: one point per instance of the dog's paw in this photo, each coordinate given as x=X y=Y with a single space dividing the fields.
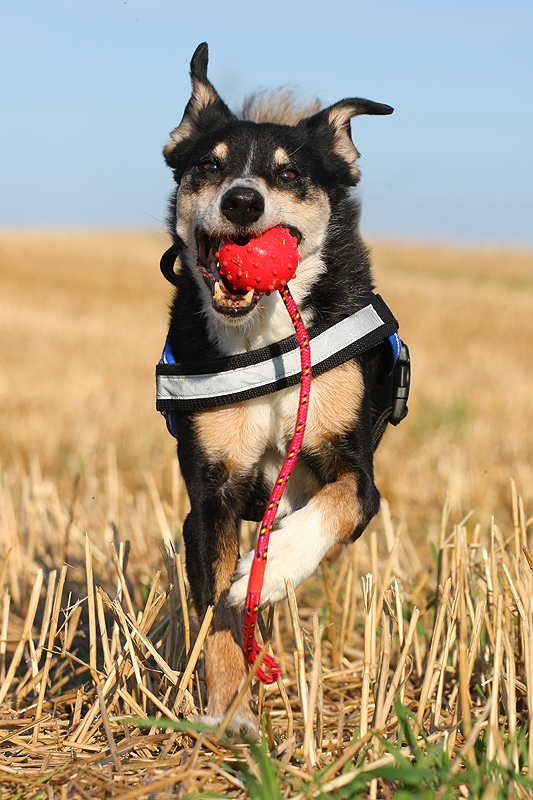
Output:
x=244 y=724
x=295 y=550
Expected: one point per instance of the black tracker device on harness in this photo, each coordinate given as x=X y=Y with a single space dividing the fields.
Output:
x=190 y=386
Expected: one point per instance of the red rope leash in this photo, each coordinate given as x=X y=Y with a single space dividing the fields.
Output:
x=265 y=264
x=270 y=670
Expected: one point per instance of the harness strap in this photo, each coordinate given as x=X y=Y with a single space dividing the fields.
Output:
x=190 y=386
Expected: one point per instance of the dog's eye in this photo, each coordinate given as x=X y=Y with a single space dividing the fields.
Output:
x=209 y=166
x=288 y=174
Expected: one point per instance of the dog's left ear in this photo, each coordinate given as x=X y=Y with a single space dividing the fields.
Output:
x=204 y=112
x=334 y=122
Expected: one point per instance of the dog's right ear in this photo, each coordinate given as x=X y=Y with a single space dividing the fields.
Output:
x=204 y=112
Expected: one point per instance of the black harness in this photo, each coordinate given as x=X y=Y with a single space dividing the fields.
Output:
x=190 y=386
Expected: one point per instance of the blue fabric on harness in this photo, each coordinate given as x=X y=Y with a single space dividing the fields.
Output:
x=396 y=344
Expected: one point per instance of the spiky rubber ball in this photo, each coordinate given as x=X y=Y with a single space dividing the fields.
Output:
x=263 y=264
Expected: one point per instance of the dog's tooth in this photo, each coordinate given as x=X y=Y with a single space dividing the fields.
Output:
x=249 y=296
x=218 y=294
x=212 y=261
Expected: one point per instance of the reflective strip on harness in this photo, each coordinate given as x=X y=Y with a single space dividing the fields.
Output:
x=191 y=386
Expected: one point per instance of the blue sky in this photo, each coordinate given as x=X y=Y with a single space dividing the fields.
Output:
x=90 y=89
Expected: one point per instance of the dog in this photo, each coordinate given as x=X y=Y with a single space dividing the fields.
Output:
x=235 y=179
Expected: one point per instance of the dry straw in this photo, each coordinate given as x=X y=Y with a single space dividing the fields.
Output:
x=83 y=664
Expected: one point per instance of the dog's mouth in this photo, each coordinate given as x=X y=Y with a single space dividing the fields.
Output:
x=226 y=299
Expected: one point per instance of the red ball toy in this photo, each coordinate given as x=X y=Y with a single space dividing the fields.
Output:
x=263 y=264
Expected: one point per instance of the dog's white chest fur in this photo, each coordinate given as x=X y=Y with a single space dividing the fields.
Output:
x=242 y=434
x=270 y=322
x=255 y=434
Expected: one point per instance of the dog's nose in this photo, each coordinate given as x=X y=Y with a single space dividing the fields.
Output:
x=242 y=205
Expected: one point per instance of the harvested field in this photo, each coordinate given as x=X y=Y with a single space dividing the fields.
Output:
x=407 y=663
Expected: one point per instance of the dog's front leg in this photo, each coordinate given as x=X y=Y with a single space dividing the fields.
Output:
x=337 y=514
x=211 y=549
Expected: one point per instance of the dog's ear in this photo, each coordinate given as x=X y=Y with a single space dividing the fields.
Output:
x=334 y=123
x=204 y=111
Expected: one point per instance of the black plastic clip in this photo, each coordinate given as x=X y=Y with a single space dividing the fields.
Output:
x=400 y=389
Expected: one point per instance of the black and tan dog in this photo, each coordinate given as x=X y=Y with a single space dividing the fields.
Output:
x=236 y=179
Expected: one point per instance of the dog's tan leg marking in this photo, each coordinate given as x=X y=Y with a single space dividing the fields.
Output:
x=233 y=435
x=225 y=663
x=226 y=668
x=339 y=510
x=302 y=540
x=334 y=403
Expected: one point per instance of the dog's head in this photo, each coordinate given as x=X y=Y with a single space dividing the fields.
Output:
x=237 y=178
